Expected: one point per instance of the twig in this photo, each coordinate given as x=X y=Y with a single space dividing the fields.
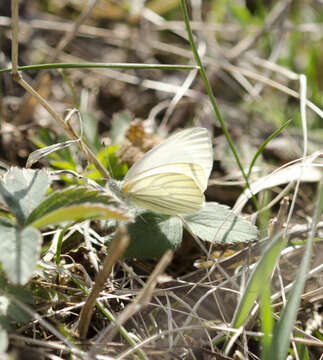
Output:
x=118 y=246
x=14 y=43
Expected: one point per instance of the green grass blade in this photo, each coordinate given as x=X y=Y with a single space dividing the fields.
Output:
x=284 y=327
x=94 y=65
x=263 y=145
x=260 y=276
x=267 y=322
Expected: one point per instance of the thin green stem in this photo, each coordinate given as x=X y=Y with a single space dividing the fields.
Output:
x=60 y=243
x=102 y=65
x=212 y=97
x=262 y=146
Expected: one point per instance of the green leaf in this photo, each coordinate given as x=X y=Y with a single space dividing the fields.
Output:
x=108 y=156
x=19 y=251
x=260 y=276
x=22 y=190
x=10 y=311
x=216 y=223
x=152 y=234
x=79 y=212
x=68 y=197
x=63 y=165
x=110 y=160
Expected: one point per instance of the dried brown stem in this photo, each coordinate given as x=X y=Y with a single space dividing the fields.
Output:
x=118 y=246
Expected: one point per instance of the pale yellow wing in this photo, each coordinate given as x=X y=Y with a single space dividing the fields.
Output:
x=191 y=146
x=194 y=171
x=166 y=193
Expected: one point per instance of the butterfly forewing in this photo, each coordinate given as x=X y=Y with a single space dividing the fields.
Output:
x=191 y=146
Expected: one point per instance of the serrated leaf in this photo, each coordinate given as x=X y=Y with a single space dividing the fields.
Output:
x=19 y=252
x=68 y=197
x=79 y=212
x=216 y=223
x=152 y=234
x=22 y=190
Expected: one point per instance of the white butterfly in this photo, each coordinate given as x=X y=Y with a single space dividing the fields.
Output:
x=172 y=177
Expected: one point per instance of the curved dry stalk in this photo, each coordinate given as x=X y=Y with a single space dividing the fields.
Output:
x=118 y=246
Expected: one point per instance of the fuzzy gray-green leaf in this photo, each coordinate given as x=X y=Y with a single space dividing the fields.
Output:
x=19 y=252
x=22 y=190
x=216 y=223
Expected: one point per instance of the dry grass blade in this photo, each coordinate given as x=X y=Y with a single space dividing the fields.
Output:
x=118 y=246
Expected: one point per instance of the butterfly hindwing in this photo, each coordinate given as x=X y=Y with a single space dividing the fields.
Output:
x=166 y=193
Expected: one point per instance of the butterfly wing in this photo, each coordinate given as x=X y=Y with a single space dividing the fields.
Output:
x=194 y=171
x=191 y=146
x=165 y=192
